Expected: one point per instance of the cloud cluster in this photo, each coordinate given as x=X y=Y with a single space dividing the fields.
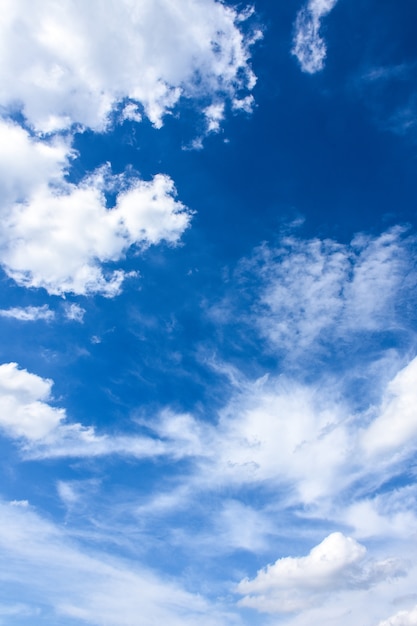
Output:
x=71 y=66
x=58 y=235
x=72 y=63
x=308 y=45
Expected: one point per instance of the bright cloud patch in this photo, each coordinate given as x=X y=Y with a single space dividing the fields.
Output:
x=70 y=62
x=58 y=235
x=396 y=426
x=314 y=292
x=308 y=45
x=25 y=411
x=29 y=313
x=43 y=431
x=90 y=586
x=402 y=618
x=293 y=584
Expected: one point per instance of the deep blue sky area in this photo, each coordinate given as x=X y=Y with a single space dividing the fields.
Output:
x=208 y=292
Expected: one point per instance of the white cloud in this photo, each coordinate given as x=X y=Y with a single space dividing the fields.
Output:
x=74 y=312
x=307 y=442
x=29 y=313
x=308 y=46
x=43 y=430
x=395 y=428
x=72 y=62
x=46 y=565
x=282 y=433
x=26 y=163
x=402 y=618
x=214 y=116
x=24 y=408
x=313 y=292
x=57 y=235
x=295 y=583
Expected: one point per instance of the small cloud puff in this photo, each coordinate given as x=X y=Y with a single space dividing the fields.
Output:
x=74 y=312
x=308 y=46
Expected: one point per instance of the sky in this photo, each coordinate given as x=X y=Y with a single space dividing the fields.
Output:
x=208 y=372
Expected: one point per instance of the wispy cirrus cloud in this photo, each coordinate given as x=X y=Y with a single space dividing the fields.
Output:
x=308 y=45
x=90 y=586
x=312 y=293
x=29 y=313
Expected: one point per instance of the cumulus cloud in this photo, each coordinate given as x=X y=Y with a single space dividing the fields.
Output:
x=25 y=411
x=58 y=235
x=294 y=583
x=71 y=63
x=308 y=45
x=29 y=313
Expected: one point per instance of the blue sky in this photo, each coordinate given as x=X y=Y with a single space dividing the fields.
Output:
x=208 y=359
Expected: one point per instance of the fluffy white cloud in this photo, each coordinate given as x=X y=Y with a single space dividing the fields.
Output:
x=72 y=62
x=295 y=583
x=58 y=235
x=402 y=618
x=24 y=408
x=29 y=313
x=308 y=46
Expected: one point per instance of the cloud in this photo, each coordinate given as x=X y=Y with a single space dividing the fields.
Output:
x=395 y=427
x=74 y=312
x=29 y=313
x=23 y=401
x=27 y=163
x=58 y=235
x=72 y=63
x=42 y=431
x=402 y=618
x=49 y=566
x=312 y=293
x=293 y=584
x=308 y=46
